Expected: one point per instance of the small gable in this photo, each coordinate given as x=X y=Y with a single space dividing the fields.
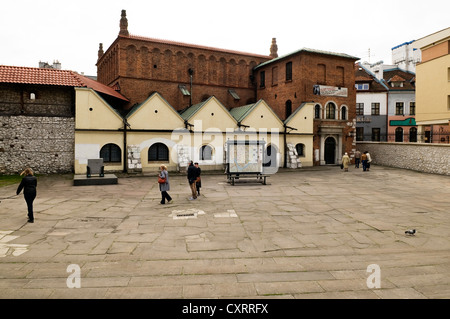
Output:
x=154 y=113
x=93 y=112
x=261 y=115
x=302 y=120
x=212 y=114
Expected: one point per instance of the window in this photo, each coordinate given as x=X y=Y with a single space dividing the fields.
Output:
x=274 y=75
x=412 y=108
x=359 y=108
x=111 y=153
x=413 y=135
x=362 y=86
x=399 y=108
x=183 y=90
x=376 y=134
x=288 y=108
x=317 y=111
x=399 y=134
x=360 y=133
x=331 y=111
x=300 y=149
x=289 y=71
x=375 y=109
x=262 y=79
x=205 y=153
x=158 y=152
x=344 y=113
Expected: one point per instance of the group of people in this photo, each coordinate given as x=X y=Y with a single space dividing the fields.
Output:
x=194 y=179
x=363 y=159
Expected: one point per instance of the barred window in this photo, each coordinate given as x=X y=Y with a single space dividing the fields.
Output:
x=158 y=152
x=111 y=153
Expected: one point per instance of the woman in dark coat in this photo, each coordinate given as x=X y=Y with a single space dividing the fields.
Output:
x=165 y=187
x=28 y=184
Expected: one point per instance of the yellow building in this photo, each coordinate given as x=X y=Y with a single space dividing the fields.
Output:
x=154 y=133
x=433 y=87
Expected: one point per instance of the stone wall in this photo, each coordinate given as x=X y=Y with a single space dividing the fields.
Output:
x=46 y=144
x=428 y=158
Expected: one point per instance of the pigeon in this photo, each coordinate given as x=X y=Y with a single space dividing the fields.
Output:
x=410 y=232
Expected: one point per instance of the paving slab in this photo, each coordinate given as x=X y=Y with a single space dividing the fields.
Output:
x=310 y=233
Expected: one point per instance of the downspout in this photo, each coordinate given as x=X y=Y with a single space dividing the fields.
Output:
x=125 y=152
x=285 y=146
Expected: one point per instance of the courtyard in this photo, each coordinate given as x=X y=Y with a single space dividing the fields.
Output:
x=309 y=233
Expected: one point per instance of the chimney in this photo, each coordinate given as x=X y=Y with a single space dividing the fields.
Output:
x=124 y=24
x=274 y=49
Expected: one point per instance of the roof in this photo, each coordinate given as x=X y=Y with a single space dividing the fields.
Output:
x=40 y=76
x=186 y=114
x=182 y=44
x=307 y=50
x=239 y=113
x=398 y=75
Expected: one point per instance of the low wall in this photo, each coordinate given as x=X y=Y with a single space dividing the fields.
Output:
x=428 y=158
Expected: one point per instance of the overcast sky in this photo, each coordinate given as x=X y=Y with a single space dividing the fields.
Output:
x=70 y=31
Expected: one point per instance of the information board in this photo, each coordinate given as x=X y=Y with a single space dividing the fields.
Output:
x=245 y=156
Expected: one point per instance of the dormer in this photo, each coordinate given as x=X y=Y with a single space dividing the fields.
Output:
x=396 y=81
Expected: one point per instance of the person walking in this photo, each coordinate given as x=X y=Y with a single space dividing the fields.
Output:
x=198 y=182
x=28 y=184
x=164 y=187
x=369 y=160
x=357 y=158
x=364 y=161
x=345 y=161
x=192 y=175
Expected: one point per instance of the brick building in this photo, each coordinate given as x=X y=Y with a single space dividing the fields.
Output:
x=186 y=74
x=325 y=78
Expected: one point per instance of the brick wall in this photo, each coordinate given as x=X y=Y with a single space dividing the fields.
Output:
x=40 y=100
x=141 y=66
x=423 y=157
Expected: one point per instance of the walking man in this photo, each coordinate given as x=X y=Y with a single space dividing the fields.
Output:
x=192 y=174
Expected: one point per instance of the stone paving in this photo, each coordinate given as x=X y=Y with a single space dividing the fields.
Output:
x=309 y=233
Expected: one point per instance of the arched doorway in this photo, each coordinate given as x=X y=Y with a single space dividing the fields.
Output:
x=330 y=151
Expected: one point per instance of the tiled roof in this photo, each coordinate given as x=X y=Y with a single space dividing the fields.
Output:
x=136 y=37
x=307 y=50
x=239 y=113
x=40 y=76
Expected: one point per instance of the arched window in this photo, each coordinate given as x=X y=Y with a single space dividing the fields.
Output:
x=288 y=108
x=344 y=113
x=300 y=149
x=205 y=153
x=317 y=111
x=399 y=134
x=331 y=111
x=111 y=153
x=413 y=134
x=158 y=152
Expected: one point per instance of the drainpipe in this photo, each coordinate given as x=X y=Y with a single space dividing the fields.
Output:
x=191 y=72
x=285 y=142
x=125 y=152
